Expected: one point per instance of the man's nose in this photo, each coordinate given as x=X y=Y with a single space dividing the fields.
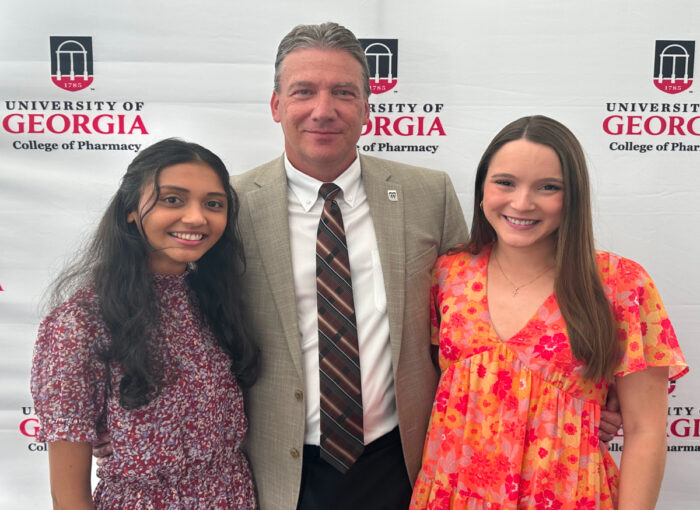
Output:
x=324 y=106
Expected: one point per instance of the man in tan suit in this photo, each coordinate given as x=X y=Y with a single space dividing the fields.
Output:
x=398 y=220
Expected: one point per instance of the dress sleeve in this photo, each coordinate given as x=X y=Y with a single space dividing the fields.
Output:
x=68 y=379
x=644 y=330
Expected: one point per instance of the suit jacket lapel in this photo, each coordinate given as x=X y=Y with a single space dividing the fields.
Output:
x=388 y=220
x=270 y=218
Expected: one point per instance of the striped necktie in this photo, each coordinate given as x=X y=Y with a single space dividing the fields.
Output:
x=342 y=436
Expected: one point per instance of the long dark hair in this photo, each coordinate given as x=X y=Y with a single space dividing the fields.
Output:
x=577 y=285
x=116 y=263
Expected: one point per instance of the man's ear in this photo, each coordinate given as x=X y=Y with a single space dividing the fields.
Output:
x=365 y=119
x=275 y=106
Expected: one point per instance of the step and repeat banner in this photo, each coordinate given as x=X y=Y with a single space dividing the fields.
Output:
x=86 y=85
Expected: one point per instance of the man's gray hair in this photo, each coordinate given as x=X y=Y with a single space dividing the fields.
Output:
x=324 y=36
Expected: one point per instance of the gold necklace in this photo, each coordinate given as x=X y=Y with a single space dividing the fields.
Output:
x=516 y=288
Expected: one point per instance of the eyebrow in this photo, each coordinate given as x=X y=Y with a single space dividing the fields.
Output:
x=185 y=190
x=347 y=84
x=511 y=176
x=301 y=84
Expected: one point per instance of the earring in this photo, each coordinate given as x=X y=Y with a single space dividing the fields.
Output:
x=192 y=266
x=481 y=205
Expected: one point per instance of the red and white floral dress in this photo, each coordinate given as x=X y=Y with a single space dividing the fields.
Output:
x=181 y=450
x=514 y=423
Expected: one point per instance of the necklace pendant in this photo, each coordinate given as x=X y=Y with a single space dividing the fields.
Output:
x=515 y=291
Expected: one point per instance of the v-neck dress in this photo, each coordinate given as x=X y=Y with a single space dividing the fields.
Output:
x=514 y=424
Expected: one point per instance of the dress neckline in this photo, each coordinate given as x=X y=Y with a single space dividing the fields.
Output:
x=168 y=285
x=487 y=309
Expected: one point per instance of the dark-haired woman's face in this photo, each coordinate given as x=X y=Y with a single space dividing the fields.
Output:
x=524 y=194
x=188 y=218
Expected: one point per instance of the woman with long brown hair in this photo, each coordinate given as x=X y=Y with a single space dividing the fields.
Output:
x=533 y=325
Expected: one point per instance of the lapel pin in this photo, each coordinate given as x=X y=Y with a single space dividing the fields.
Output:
x=393 y=195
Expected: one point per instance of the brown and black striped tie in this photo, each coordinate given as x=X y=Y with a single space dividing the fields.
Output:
x=342 y=435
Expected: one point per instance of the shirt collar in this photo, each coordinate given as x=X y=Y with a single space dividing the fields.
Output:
x=306 y=187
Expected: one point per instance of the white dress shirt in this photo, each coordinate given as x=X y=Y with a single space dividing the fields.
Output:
x=305 y=206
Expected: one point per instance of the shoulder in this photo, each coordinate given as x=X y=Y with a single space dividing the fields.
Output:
x=77 y=316
x=614 y=268
x=402 y=172
x=82 y=304
x=265 y=172
x=462 y=260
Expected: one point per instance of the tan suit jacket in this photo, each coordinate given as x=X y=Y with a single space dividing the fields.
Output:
x=412 y=231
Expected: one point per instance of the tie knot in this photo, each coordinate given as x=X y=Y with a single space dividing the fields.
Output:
x=328 y=191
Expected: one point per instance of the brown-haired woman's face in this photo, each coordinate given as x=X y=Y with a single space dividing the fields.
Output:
x=524 y=194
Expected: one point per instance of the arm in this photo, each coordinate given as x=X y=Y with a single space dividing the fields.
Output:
x=102 y=448
x=69 y=471
x=610 y=417
x=644 y=404
x=435 y=317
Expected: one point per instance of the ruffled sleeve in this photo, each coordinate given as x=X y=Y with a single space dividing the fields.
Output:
x=643 y=328
x=68 y=379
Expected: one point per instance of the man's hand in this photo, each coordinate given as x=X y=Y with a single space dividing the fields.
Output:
x=102 y=449
x=610 y=417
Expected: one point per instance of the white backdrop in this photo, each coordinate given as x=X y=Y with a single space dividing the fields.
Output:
x=203 y=71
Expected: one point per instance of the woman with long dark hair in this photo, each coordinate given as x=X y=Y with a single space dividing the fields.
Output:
x=147 y=342
x=533 y=325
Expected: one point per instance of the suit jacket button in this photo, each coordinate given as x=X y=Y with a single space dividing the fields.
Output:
x=299 y=395
x=294 y=453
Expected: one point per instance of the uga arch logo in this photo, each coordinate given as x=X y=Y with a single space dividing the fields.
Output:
x=71 y=62
x=673 y=65
x=382 y=58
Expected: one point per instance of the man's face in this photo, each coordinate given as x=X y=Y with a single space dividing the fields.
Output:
x=322 y=108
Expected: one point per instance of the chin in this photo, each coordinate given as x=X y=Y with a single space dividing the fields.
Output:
x=527 y=243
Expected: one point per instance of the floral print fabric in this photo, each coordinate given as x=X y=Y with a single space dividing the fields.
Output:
x=181 y=450
x=514 y=423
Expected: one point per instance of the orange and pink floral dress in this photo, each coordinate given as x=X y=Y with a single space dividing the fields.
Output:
x=514 y=423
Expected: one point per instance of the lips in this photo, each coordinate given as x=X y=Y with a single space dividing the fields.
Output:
x=322 y=132
x=323 y=135
x=520 y=222
x=186 y=236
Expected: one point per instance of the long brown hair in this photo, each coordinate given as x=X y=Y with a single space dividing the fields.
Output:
x=577 y=284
